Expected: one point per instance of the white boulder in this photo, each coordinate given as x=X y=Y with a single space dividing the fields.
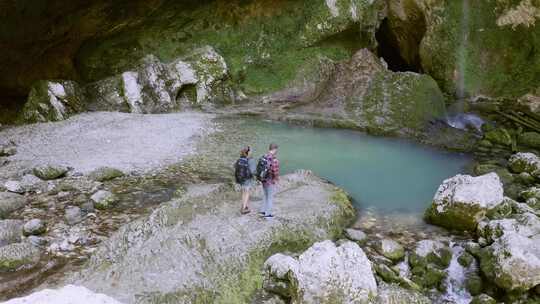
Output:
x=512 y=260
x=326 y=273
x=69 y=294
x=462 y=201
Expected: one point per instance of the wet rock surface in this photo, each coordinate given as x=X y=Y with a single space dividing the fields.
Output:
x=150 y=246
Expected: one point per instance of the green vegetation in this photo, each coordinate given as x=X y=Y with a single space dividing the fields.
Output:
x=263 y=42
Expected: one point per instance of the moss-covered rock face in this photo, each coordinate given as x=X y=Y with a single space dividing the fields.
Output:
x=402 y=103
x=263 y=42
x=364 y=94
x=52 y=101
x=470 y=46
x=157 y=87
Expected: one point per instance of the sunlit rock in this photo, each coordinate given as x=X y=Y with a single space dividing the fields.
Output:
x=326 y=273
x=462 y=201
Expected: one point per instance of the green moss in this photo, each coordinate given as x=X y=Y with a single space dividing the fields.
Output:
x=499 y=136
x=473 y=284
x=428 y=276
x=400 y=102
x=485 y=53
x=263 y=42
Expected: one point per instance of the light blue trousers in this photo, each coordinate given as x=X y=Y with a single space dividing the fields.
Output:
x=268 y=200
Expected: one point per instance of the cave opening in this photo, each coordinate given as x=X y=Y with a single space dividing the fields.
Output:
x=399 y=46
x=187 y=95
x=10 y=108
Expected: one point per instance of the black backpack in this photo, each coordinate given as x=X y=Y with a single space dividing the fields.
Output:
x=242 y=172
x=263 y=169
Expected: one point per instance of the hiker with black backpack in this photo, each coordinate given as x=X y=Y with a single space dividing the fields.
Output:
x=268 y=175
x=244 y=170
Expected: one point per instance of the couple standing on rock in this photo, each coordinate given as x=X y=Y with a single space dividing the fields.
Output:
x=266 y=171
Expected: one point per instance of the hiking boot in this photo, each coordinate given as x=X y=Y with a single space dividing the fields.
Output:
x=269 y=216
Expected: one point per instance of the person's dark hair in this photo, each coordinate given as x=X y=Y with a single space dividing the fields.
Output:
x=272 y=146
x=245 y=152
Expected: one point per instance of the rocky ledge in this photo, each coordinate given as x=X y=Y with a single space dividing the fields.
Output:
x=200 y=249
x=505 y=231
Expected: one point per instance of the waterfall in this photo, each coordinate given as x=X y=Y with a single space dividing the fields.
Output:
x=456 y=116
x=455 y=281
x=465 y=121
x=462 y=51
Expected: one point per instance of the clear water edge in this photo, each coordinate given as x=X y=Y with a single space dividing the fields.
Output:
x=388 y=175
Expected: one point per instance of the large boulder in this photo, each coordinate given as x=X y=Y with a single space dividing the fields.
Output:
x=52 y=101
x=157 y=87
x=309 y=83
x=69 y=294
x=10 y=202
x=210 y=70
x=326 y=273
x=364 y=92
x=462 y=201
x=512 y=260
x=17 y=256
x=186 y=250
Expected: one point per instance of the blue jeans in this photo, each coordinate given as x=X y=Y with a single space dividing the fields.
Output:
x=268 y=200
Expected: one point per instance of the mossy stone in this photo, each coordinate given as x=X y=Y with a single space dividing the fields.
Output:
x=105 y=173
x=465 y=259
x=499 y=136
x=474 y=284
